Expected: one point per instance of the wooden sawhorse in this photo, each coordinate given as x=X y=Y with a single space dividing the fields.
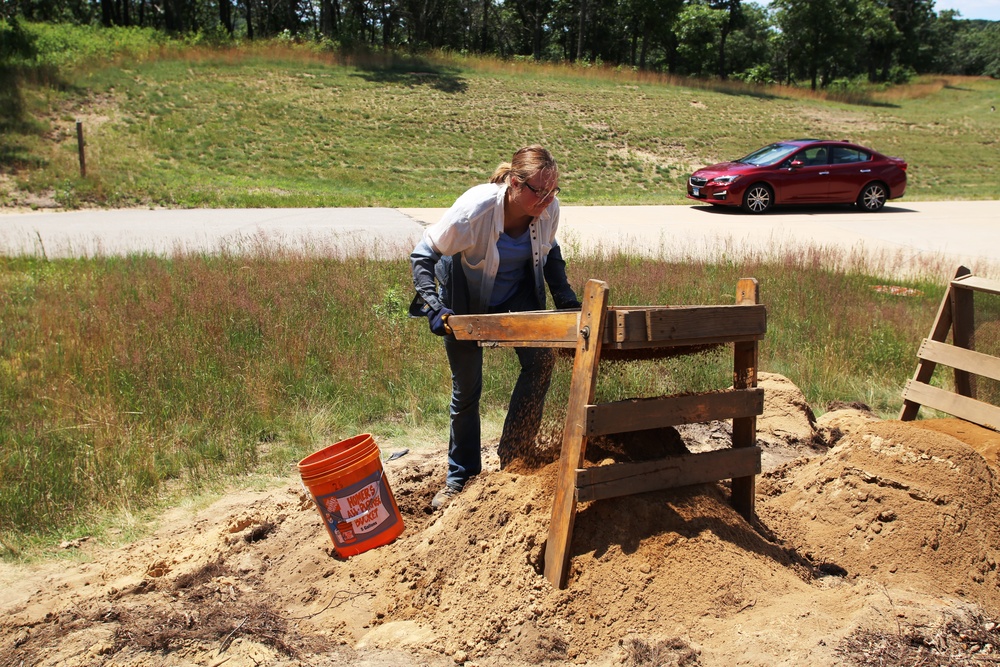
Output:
x=955 y=315
x=639 y=332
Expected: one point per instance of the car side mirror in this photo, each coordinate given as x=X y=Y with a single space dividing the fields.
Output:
x=795 y=164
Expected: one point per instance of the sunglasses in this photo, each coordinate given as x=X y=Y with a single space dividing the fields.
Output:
x=542 y=194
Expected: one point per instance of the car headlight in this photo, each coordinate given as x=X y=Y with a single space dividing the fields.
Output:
x=725 y=180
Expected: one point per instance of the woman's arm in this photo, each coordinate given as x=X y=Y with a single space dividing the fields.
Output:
x=423 y=259
x=555 y=275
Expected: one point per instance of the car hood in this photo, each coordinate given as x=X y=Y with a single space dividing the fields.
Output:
x=724 y=168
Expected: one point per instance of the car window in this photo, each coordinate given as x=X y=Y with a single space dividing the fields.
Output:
x=813 y=156
x=847 y=155
x=769 y=154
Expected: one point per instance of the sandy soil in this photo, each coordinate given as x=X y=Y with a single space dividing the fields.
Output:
x=873 y=537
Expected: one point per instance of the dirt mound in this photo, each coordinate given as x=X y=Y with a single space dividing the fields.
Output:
x=895 y=502
x=890 y=528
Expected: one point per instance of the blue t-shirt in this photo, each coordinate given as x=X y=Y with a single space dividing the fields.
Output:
x=514 y=257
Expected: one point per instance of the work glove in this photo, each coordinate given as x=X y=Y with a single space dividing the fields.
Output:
x=437 y=319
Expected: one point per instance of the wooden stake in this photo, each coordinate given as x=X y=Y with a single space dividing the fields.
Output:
x=79 y=145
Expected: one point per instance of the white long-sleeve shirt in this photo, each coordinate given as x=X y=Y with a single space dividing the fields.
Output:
x=471 y=228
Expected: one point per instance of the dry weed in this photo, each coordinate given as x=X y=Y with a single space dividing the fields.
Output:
x=664 y=653
x=955 y=642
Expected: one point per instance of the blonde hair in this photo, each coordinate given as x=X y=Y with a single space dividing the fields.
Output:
x=526 y=162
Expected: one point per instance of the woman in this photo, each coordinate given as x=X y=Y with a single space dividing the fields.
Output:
x=493 y=252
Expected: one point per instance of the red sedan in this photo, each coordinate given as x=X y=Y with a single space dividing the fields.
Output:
x=802 y=171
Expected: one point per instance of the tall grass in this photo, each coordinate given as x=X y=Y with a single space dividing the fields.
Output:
x=119 y=375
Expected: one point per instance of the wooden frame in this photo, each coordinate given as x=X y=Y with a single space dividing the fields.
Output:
x=955 y=315
x=639 y=332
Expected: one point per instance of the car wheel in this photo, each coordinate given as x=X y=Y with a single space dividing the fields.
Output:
x=872 y=197
x=758 y=198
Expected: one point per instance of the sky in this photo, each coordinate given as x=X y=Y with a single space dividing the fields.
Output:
x=972 y=9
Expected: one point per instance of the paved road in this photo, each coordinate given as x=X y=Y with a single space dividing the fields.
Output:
x=905 y=237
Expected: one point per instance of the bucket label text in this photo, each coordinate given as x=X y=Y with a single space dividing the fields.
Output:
x=358 y=512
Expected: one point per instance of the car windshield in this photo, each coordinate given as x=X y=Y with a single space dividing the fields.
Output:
x=769 y=154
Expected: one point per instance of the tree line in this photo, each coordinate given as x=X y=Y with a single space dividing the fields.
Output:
x=821 y=42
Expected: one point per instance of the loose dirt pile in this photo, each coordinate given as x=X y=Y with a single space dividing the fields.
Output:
x=883 y=545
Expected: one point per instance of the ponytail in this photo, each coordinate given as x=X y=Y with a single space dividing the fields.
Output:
x=527 y=162
x=502 y=173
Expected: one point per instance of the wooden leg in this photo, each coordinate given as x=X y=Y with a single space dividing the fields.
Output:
x=581 y=394
x=745 y=377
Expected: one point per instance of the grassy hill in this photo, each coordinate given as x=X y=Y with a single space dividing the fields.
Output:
x=279 y=124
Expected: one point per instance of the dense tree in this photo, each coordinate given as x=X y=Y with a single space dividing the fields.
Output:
x=749 y=48
x=967 y=47
x=914 y=20
x=697 y=28
x=818 y=41
x=882 y=39
x=818 y=37
x=733 y=19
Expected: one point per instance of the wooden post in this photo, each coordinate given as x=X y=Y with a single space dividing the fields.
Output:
x=745 y=377
x=79 y=145
x=581 y=393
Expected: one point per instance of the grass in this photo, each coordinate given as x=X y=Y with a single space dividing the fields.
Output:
x=276 y=124
x=122 y=376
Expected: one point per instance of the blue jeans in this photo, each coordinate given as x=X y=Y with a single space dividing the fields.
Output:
x=524 y=415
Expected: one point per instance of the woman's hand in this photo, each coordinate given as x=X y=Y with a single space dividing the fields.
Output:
x=438 y=320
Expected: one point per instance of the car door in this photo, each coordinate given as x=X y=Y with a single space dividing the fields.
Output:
x=850 y=169
x=805 y=180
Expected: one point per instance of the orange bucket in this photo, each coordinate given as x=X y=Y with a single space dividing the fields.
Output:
x=348 y=485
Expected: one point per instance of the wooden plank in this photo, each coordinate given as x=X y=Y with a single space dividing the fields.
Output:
x=699 y=322
x=977 y=283
x=747 y=292
x=962 y=407
x=526 y=328
x=939 y=332
x=593 y=316
x=644 y=327
x=628 y=325
x=681 y=342
x=550 y=344
x=623 y=479
x=640 y=324
x=637 y=346
x=958 y=357
x=745 y=461
x=645 y=413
